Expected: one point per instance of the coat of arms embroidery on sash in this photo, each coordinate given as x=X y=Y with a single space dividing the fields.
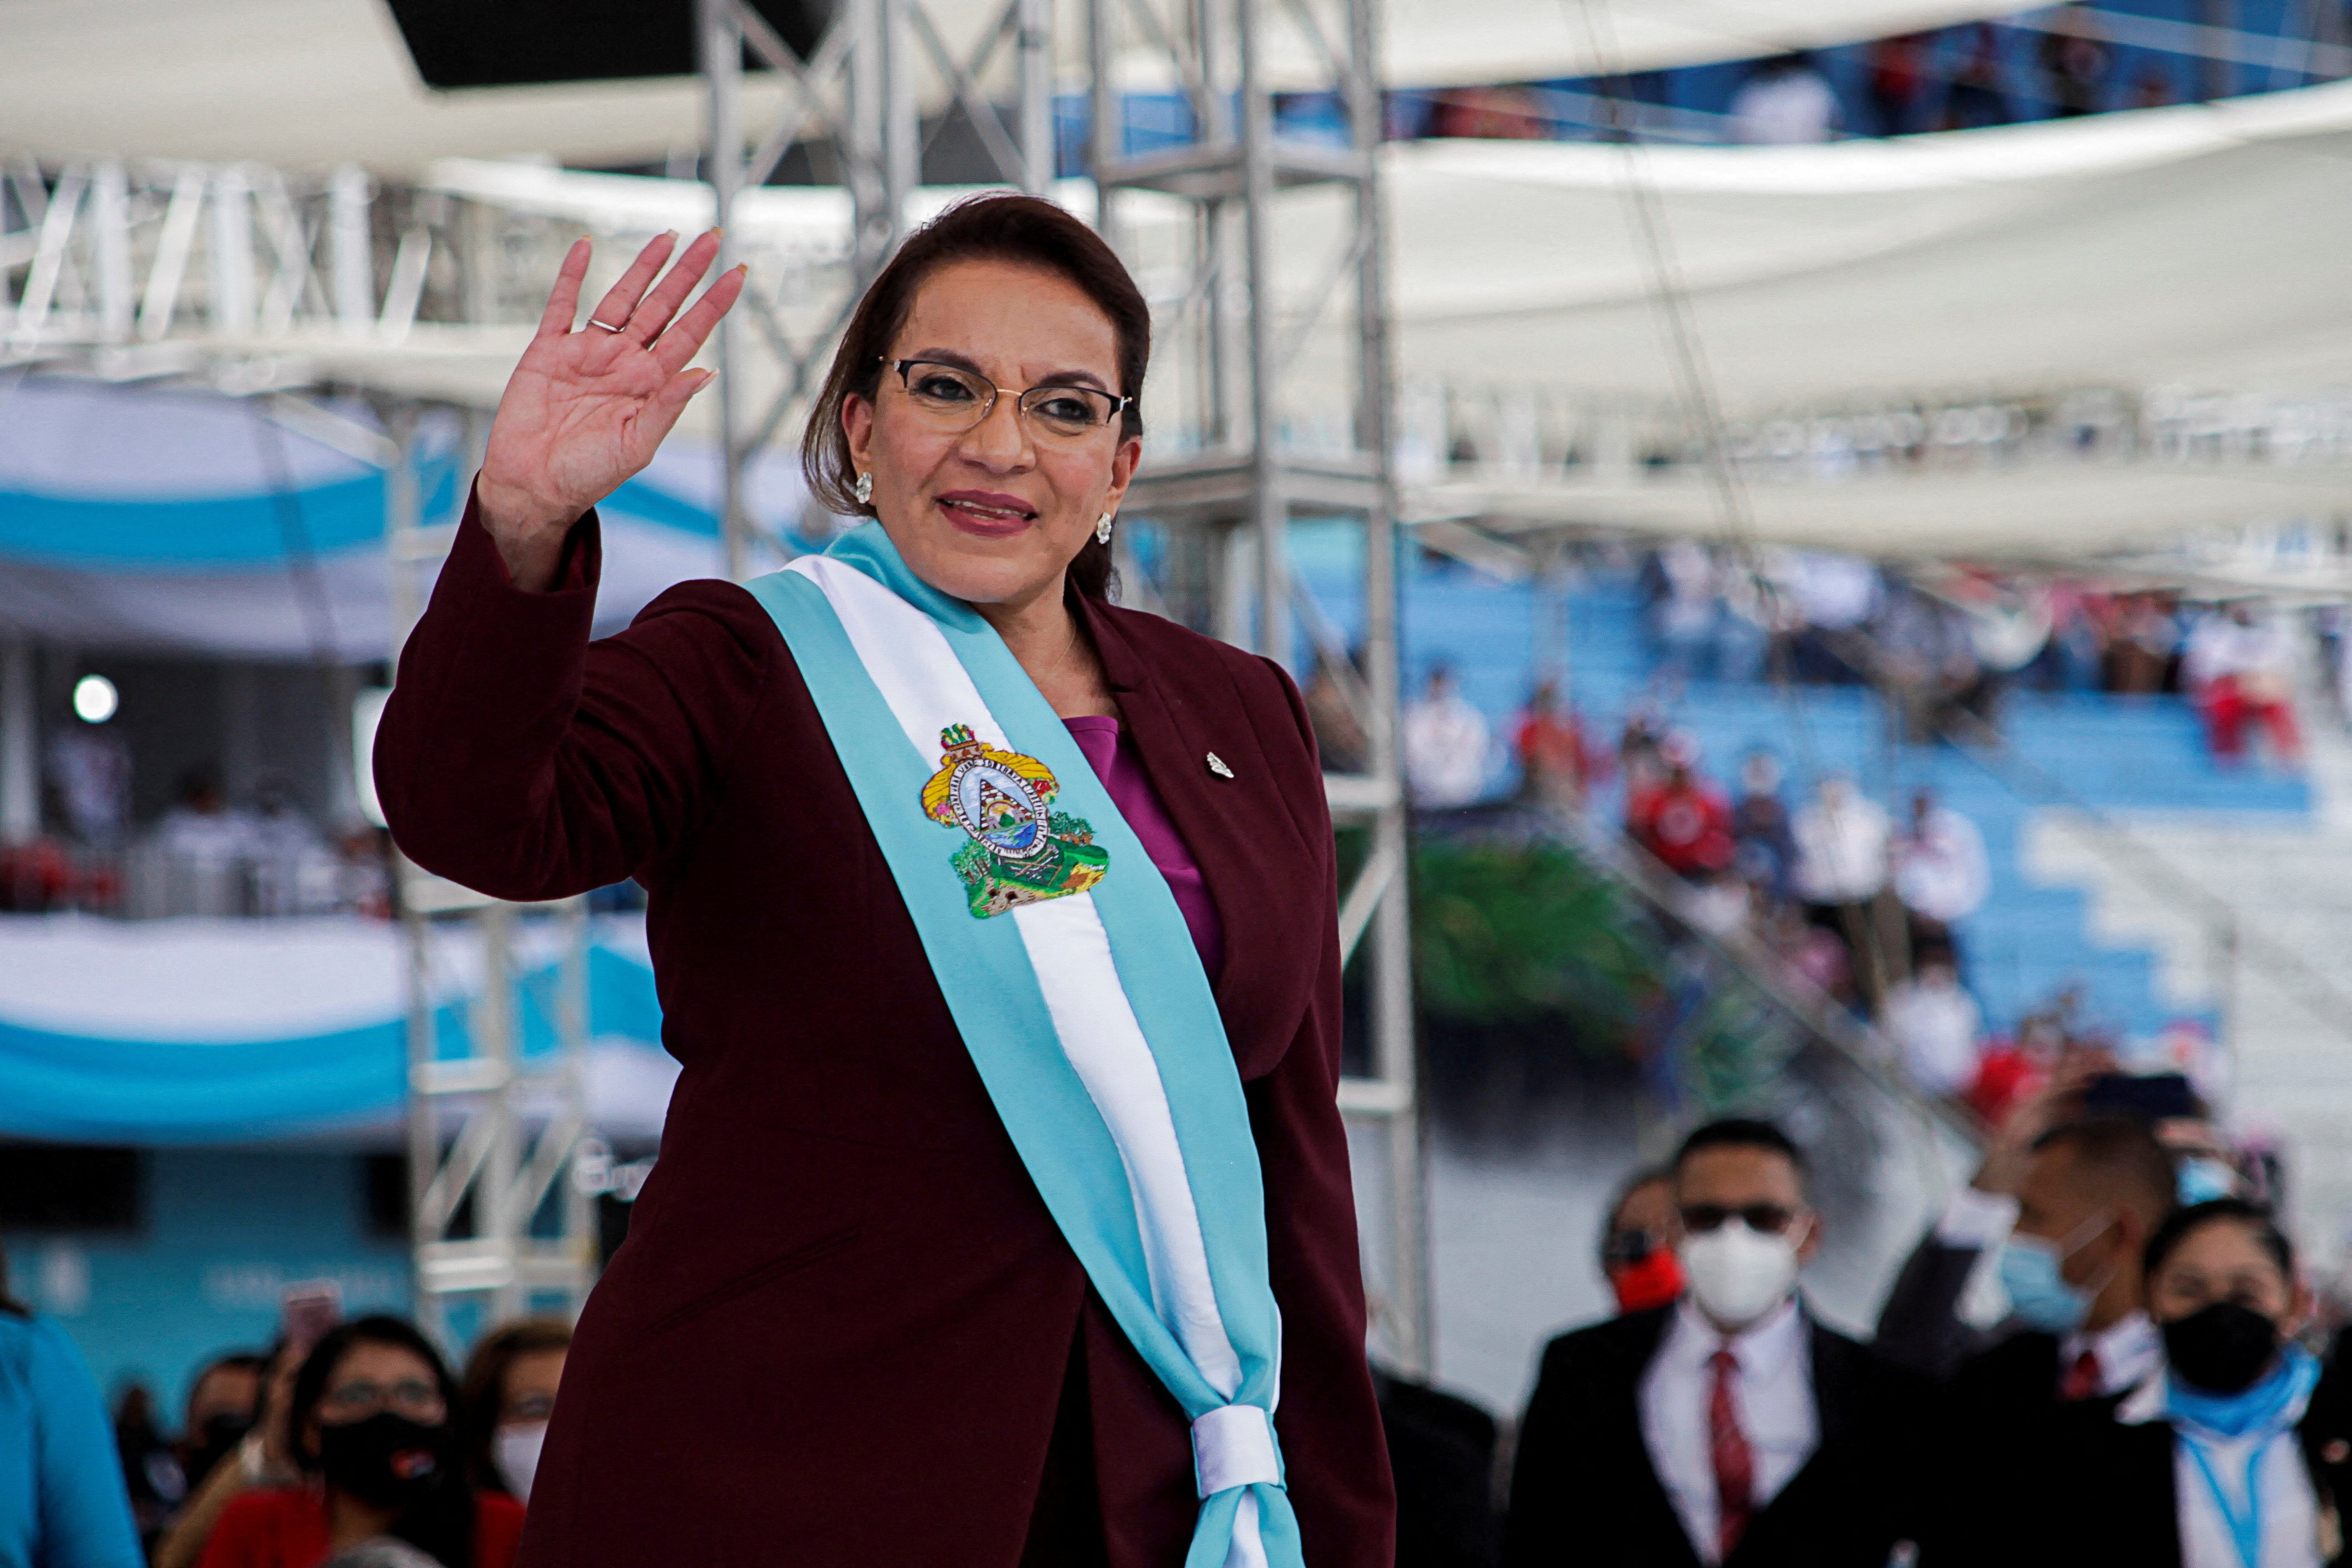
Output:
x=1018 y=849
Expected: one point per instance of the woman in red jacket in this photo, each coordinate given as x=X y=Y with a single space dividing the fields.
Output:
x=847 y=1327
x=370 y=1417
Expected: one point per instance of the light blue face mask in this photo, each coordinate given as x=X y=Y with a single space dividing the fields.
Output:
x=2038 y=1291
x=2032 y=1272
x=2202 y=1180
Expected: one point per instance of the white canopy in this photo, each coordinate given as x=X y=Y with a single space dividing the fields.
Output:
x=2185 y=245
x=306 y=83
x=1444 y=43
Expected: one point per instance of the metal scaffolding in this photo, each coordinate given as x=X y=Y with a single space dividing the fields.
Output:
x=253 y=280
x=1220 y=483
x=1227 y=477
x=854 y=95
x=496 y=1216
x=264 y=284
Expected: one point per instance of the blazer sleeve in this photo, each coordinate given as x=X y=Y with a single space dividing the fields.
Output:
x=1335 y=1456
x=521 y=760
x=84 y=1510
x=1919 y=1327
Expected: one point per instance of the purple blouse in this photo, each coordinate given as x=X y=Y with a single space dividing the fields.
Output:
x=1114 y=760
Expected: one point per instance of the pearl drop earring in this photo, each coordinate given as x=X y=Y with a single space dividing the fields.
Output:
x=1102 y=529
x=864 y=490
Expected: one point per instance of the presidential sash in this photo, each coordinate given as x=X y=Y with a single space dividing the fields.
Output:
x=1075 y=983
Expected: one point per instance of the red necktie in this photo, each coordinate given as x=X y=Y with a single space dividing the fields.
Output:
x=1735 y=1461
x=2083 y=1380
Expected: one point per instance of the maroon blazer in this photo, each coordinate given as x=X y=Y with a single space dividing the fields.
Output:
x=844 y=1328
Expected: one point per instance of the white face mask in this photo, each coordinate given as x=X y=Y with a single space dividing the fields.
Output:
x=516 y=1450
x=1736 y=1275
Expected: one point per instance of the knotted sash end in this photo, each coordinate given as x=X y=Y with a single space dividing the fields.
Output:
x=1233 y=1446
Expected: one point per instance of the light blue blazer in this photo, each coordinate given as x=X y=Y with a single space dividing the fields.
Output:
x=62 y=1500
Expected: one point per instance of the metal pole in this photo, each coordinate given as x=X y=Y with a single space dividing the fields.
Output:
x=1034 y=39
x=719 y=41
x=424 y=1119
x=1396 y=1059
x=109 y=213
x=902 y=127
x=403 y=513
x=350 y=253
x=496 y=1221
x=571 y=1024
x=232 y=253
x=862 y=136
x=1106 y=127
x=1269 y=510
x=20 y=769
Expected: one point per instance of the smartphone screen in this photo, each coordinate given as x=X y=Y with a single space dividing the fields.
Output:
x=307 y=1309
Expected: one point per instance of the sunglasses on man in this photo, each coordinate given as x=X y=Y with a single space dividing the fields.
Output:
x=1765 y=1218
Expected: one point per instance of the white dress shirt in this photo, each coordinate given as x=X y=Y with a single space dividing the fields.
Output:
x=1446 y=742
x=2290 y=1512
x=2129 y=1349
x=1773 y=1387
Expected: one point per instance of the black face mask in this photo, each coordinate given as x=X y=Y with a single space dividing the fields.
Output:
x=209 y=1444
x=388 y=1460
x=2221 y=1348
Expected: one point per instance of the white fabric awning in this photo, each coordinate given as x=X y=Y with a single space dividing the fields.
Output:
x=2188 y=245
x=307 y=83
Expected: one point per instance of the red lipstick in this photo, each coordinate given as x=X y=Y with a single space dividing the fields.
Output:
x=990 y=514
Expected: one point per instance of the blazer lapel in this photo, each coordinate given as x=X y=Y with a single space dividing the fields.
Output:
x=1833 y=1380
x=1649 y=1499
x=1239 y=832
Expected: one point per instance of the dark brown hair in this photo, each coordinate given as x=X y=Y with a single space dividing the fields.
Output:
x=2118 y=1157
x=440 y=1522
x=2183 y=1223
x=483 y=1393
x=999 y=226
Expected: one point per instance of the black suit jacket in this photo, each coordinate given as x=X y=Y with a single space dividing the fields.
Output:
x=2116 y=1501
x=1920 y=1326
x=1583 y=1490
x=1441 y=1452
x=1993 y=1447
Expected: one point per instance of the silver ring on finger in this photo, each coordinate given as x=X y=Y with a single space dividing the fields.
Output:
x=606 y=325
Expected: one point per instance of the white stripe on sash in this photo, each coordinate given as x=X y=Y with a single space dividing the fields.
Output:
x=928 y=689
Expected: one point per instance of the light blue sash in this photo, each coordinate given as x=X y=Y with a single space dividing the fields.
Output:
x=1088 y=1013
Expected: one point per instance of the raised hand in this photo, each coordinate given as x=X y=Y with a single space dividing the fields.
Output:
x=584 y=409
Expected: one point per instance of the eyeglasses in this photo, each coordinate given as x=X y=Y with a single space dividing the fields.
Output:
x=952 y=398
x=1627 y=1247
x=411 y=1398
x=1767 y=1218
x=528 y=1408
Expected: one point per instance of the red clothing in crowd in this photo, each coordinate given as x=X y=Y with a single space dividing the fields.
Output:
x=2232 y=702
x=286 y=1527
x=1556 y=761
x=1685 y=823
x=2005 y=1075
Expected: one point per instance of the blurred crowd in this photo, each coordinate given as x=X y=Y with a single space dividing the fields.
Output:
x=1863 y=904
x=1946 y=647
x=346 y=1443
x=1969 y=75
x=2104 y=1351
x=207 y=853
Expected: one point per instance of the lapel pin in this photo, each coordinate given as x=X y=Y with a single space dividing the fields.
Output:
x=1217 y=766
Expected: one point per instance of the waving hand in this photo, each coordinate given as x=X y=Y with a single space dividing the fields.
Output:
x=584 y=409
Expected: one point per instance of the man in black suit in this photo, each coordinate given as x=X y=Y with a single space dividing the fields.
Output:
x=2093 y=1192
x=1729 y=1427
